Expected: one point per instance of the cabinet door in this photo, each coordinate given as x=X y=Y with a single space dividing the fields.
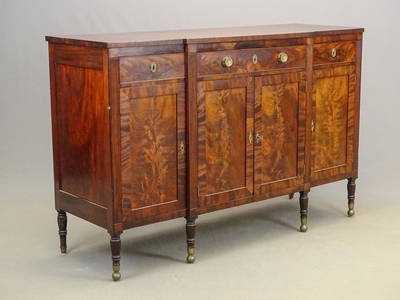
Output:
x=333 y=122
x=279 y=132
x=225 y=152
x=152 y=149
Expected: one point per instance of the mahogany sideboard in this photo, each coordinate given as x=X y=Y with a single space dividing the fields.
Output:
x=152 y=126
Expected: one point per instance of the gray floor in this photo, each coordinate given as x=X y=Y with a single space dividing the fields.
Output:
x=249 y=252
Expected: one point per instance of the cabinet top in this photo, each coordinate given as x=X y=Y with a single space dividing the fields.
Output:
x=205 y=35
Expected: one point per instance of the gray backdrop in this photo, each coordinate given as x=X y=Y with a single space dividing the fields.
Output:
x=25 y=132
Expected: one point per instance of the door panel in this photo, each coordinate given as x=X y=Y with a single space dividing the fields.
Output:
x=333 y=130
x=280 y=132
x=153 y=164
x=225 y=120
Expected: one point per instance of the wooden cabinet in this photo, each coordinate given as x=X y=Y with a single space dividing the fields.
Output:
x=154 y=126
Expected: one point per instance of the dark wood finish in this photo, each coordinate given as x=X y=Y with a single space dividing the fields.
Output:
x=145 y=50
x=62 y=230
x=218 y=46
x=82 y=208
x=115 y=244
x=303 y=210
x=206 y=35
x=280 y=124
x=82 y=129
x=134 y=146
x=351 y=190
x=190 y=238
x=138 y=68
x=345 y=52
x=192 y=130
x=337 y=38
x=115 y=214
x=77 y=56
x=209 y=63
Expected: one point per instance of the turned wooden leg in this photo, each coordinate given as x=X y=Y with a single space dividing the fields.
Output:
x=62 y=230
x=351 y=190
x=303 y=211
x=115 y=243
x=190 y=234
x=291 y=195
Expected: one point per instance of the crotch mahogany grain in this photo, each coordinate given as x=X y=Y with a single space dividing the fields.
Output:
x=152 y=126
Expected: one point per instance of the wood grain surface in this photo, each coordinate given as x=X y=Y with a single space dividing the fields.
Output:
x=267 y=59
x=204 y=35
x=216 y=117
x=152 y=127
x=333 y=101
x=137 y=68
x=82 y=129
x=225 y=156
x=280 y=121
x=345 y=52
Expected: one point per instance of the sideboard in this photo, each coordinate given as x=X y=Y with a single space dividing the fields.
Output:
x=152 y=126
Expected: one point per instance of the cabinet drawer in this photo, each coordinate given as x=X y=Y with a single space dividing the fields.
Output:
x=329 y=53
x=152 y=67
x=250 y=60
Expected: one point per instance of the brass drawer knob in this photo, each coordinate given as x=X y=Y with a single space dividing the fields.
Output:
x=283 y=57
x=227 y=62
x=153 y=67
x=334 y=52
x=255 y=59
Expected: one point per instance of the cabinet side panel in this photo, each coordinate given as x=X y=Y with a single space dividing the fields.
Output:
x=82 y=133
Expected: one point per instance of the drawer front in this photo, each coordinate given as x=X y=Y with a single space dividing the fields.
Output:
x=250 y=60
x=152 y=67
x=329 y=53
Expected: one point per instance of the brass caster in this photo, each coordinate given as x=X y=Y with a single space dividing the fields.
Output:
x=303 y=228
x=116 y=275
x=190 y=258
x=63 y=250
x=350 y=212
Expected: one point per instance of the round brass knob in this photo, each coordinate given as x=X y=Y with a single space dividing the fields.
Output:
x=227 y=61
x=255 y=59
x=153 y=67
x=334 y=52
x=283 y=57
